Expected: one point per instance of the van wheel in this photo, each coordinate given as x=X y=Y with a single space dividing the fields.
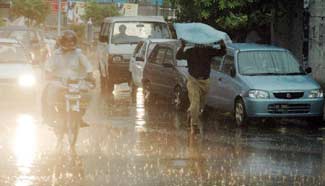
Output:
x=240 y=114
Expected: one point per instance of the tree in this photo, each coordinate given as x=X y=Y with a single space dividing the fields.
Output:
x=35 y=11
x=231 y=15
x=97 y=12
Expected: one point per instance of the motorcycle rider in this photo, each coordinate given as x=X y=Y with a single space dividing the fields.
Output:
x=67 y=62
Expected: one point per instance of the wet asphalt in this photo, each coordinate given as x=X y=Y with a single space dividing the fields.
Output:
x=128 y=143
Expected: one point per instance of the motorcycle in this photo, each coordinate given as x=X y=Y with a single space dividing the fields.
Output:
x=72 y=109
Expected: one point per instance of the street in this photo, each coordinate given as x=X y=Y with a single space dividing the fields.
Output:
x=130 y=144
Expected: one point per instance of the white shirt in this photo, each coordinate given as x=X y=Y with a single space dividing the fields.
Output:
x=69 y=65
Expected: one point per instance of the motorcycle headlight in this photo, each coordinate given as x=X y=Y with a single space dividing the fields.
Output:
x=318 y=93
x=258 y=94
x=117 y=59
x=27 y=80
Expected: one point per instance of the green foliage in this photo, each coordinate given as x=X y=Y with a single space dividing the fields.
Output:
x=80 y=30
x=35 y=11
x=97 y=12
x=230 y=14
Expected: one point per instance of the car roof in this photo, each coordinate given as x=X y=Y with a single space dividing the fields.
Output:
x=253 y=47
x=135 y=18
x=8 y=40
x=162 y=40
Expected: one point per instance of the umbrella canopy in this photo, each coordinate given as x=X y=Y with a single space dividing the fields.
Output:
x=200 y=33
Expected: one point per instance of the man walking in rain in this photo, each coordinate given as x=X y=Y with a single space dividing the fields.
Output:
x=199 y=66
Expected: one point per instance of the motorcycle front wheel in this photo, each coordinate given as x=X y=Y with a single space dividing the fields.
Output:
x=73 y=125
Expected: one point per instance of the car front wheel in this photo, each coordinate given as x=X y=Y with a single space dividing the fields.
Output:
x=240 y=114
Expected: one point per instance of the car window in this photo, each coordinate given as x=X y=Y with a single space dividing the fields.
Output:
x=137 y=48
x=23 y=36
x=268 y=63
x=12 y=53
x=131 y=32
x=104 y=32
x=169 y=56
x=216 y=62
x=142 y=51
x=158 y=55
x=228 y=64
x=151 y=47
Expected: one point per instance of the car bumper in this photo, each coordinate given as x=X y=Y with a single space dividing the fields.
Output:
x=119 y=72
x=284 y=108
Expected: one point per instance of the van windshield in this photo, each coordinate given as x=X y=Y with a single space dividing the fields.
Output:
x=268 y=63
x=133 y=32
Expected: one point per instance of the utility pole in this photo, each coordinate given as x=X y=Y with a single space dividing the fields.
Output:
x=59 y=17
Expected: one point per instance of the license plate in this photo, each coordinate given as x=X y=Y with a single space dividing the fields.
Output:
x=75 y=108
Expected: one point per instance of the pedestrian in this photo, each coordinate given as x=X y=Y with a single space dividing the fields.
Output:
x=199 y=66
x=67 y=63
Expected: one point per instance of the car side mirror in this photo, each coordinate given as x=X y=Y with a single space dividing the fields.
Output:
x=168 y=65
x=232 y=72
x=139 y=58
x=308 y=70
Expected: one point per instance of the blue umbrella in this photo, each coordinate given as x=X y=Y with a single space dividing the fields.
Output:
x=200 y=33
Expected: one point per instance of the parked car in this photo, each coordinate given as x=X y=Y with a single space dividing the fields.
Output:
x=18 y=76
x=260 y=81
x=163 y=75
x=32 y=39
x=118 y=38
x=140 y=58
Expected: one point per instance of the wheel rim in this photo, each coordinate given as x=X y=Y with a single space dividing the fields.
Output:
x=239 y=113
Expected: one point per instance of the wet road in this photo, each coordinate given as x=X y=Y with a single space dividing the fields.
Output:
x=128 y=144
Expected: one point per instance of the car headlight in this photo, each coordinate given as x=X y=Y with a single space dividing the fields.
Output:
x=258 y=94
x=27 y=80
x=318 y=93
x=117 y=59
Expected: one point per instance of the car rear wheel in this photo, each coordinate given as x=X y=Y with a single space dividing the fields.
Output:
x=240 y=114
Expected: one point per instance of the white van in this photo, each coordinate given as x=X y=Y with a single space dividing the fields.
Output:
x=118 y=38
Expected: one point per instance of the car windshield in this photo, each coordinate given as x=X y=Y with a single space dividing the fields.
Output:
x=24 y=36
x=268 y=63
x=12 y=53
x=133 y=32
